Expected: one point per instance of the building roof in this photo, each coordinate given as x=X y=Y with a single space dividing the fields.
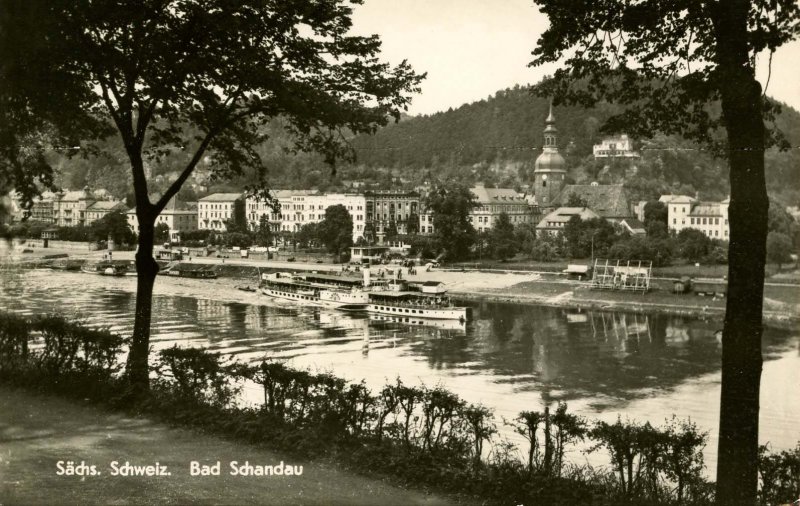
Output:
x=496 y=195
x=106 y=205
x=221 y=197
x=706 y=209
x=285 y=194
x=73 y=195
x=607 y=200
x=563 y=215
x=676 y=199
x=633 y=225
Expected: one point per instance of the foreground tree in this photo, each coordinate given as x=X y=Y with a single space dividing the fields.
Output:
x=668 y=60
x=203 y=77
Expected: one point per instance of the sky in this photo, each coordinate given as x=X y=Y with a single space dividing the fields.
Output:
x=473 y=48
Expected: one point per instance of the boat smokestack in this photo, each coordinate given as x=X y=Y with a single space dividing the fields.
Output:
x=366 y=276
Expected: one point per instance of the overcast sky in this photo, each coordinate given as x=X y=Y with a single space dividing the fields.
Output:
x=472 y=48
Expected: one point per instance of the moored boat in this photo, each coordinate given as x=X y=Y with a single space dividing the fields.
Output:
x=111 y=268
x=396 y=297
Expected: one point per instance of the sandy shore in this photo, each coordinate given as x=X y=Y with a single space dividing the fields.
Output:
x=781 y=300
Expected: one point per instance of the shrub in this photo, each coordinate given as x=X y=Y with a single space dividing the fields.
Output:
x=195 y=375
x=779 y=474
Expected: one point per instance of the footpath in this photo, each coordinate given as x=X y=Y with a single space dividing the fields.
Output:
x=41 y=435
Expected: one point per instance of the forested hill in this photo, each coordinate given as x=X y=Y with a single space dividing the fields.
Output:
x=495 y=141
x=499 y=138
x=507 y=126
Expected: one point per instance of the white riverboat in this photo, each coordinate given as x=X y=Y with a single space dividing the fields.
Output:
x=339 y=292
x=404 y=301
x=287 y=286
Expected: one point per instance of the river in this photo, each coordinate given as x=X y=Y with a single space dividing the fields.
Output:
x=508 y=357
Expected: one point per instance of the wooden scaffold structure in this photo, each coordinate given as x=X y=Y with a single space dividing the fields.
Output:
x=633 y=275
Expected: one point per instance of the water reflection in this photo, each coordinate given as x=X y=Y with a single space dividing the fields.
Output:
x=508 y=356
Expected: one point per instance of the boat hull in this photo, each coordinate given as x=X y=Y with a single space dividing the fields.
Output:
x=277 y=293
x=446 y=313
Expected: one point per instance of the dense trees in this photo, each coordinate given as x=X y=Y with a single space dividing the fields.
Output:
x=336 y=230
x=687 y=68
x=114 y=225
x=584 y=238
x=449 y=205
x=503 y=242
x=263 y=233
x=779 y=248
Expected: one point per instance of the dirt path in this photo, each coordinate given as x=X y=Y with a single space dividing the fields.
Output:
x=37 y=432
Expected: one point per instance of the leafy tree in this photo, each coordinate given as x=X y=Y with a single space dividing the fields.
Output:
x=655 y=211
x=238 y=239
x=779 y=248
x=309 y=234
x=693 y=245
x=238 y=220
x=656 y=229
x=197 y=77
x=161 y=233
x=667 y=61
x=450 y=205
x=263 y=236
x=41 y=98
x=336 y=230
x=503 y=241
x=114 y=225
x=525 y=235
x=391 y=231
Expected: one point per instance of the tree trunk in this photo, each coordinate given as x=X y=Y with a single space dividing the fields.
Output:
x=737 y=469
x=138 y=370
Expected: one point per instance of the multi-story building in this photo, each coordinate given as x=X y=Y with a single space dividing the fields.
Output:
x=678 y=209
x=619 y=146
x=711 y=218
x=387 y=208
x=213 y=211
x=178 y=216
x=69 y=208
x=492 y=202
x=42 y=208
x=300 y=207
x=101 y=208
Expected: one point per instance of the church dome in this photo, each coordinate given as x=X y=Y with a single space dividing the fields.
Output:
x=550 y=160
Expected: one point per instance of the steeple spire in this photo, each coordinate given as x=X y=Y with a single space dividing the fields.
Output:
x=550 y=118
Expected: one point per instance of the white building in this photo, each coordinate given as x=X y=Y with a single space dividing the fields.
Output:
x=711 y=218
x=300 y=207
x=214 y=210
x=619 y=146
x=178 y=216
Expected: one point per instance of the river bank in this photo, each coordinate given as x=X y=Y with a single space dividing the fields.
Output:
x=781 y=298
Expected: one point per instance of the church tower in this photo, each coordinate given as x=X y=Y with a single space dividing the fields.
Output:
x=550 y=169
